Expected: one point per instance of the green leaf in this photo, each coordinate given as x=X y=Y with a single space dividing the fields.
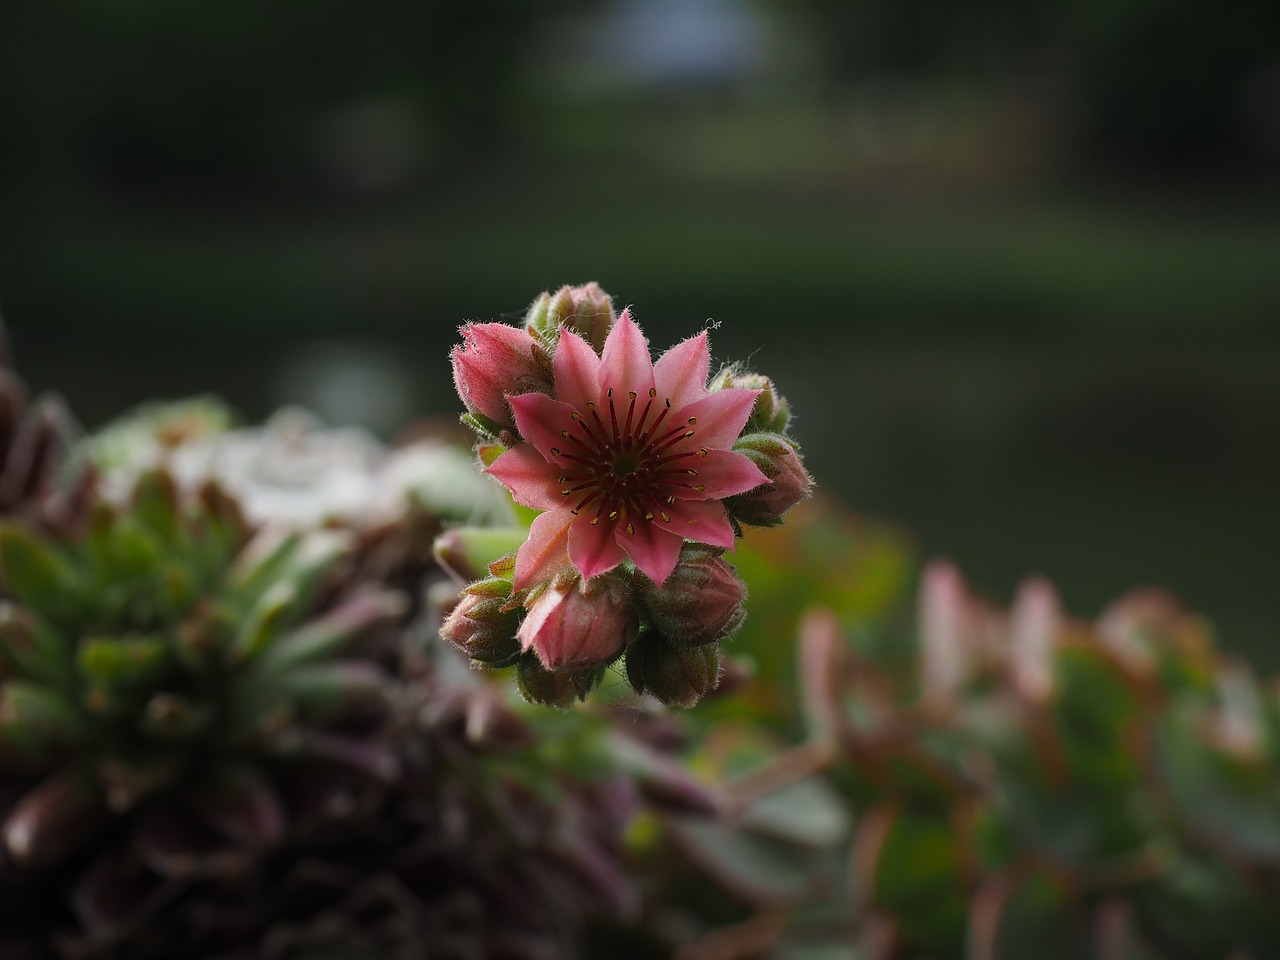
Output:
x=29 y=568
x=37 y=722
x=155 y=504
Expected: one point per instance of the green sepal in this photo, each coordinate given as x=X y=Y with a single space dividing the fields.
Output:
x=482 y=425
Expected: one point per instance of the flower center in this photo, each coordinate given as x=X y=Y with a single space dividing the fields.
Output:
x=626 y=463
x=629 y=463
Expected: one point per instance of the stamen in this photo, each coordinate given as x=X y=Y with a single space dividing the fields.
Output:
x=653 y=392
x=648 y=516
x=693 y=419
x=699 y=487
x=631 y=530
x=666 y=517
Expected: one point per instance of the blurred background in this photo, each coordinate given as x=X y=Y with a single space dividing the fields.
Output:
x=1017 y=265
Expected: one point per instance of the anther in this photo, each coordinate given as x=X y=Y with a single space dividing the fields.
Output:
x=591 y=404
x=613 y=514
x=699 y=487
x=594 y=521
x=702 y=452
x=565 y=434
x=666 y=517
x=693 y=472
x=693 y=419
x=648 y=516
x=610 y=392
x=574 y=415
x=653 y=392
x=631 y=394
x=555 y=451
x=631 y=530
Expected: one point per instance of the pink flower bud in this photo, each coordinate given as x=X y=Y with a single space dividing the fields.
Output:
x=779 y=460
x=587 y=310
x=496 y=361
x=700 y=602
x=481 y=628
x=580 y=625
x=559 y=689
x=678 y=676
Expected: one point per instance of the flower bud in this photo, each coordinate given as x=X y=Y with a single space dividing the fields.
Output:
x=779 y=460
x=586 y=310
x=678 y=676
x=580 y=625
x=701 y=601
x=559 y=689
x=772 y=413
x=496 y=361
x=481 y=628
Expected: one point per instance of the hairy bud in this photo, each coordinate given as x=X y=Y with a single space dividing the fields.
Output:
x=481 y=628
x=586 y=310
x=779 y=460
x=561 y=688
x=772 y=413
x=580 y=625
x=700 y=602
x=678 y=676
x=496 y=361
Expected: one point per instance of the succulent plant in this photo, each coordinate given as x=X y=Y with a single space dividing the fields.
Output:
x=173 y=686
x=1028 y=784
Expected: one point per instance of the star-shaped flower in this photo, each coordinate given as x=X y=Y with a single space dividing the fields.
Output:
x=629 y=458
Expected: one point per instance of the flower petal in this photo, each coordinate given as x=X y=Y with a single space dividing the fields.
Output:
x=530 y=478
x=653 y=548
x=625 y=364
x=540 y=420
x=545 y=553
x=722 y=473
x=594 y=549
x=702 y=520
x=720 y=416
x=681 y=373
x=577 y=369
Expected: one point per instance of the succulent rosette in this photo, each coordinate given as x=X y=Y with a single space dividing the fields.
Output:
x=638 y=471
x=177 y=692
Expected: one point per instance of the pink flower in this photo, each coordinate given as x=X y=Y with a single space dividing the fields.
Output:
x=494 y=362
x=628 y=458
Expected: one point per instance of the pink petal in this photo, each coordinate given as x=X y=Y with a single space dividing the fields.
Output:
x=722 y=473
x=625 y=364
x=653 y=548
x=545 y=553
x=531 y=480
x=681 y=373
x=540 y=420
x=720 y=416
x=702 y=520
x=577 y=369
x=594 y=549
